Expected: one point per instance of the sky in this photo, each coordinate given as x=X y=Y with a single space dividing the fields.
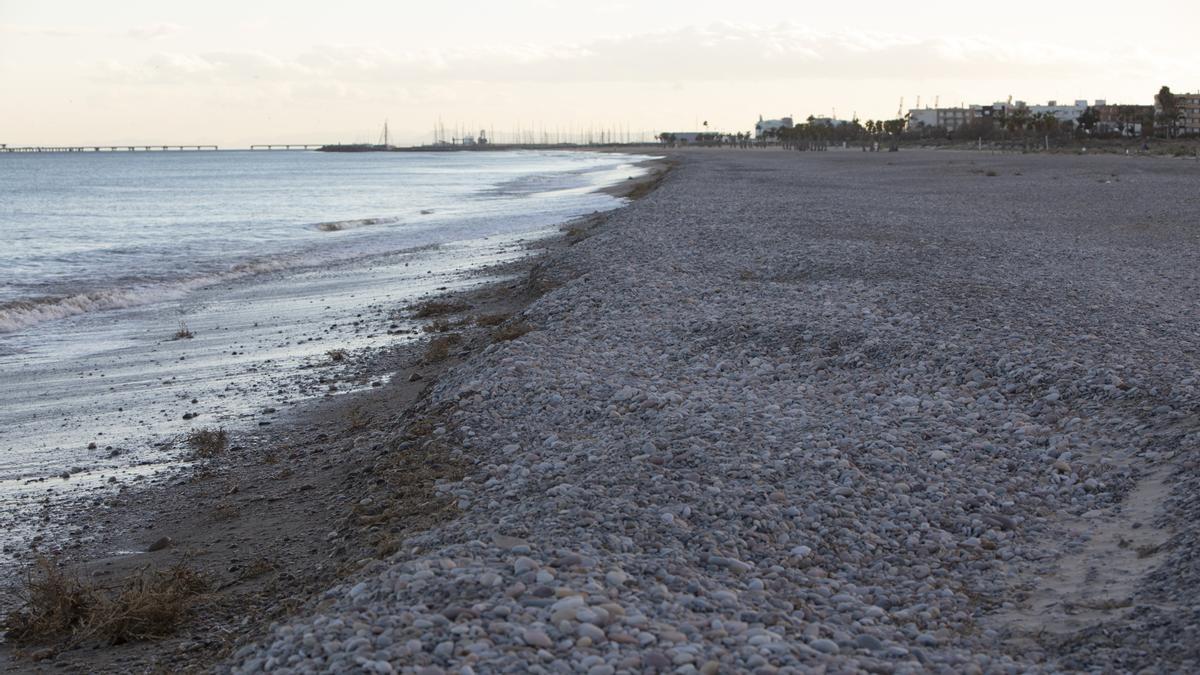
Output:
x=265 y=71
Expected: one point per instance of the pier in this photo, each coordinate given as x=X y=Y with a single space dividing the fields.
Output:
x=287 y=146
x=107 y=148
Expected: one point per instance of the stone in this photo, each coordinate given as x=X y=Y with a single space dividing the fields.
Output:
x=160 y=544
x=824 y=645
x=537 y=638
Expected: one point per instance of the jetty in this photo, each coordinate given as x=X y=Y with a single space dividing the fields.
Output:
x=107 y=148
x=287 y=146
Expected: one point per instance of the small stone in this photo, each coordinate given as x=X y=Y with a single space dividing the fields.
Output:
x=616 y=578
x=524 y=564
x=656 y=660
x=536 y=638
x=824 y=645
x=869 y=642
x=590 y=631
x=729 y=563
x=159 y=544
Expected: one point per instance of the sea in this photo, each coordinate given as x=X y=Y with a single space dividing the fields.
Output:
x=146 y=294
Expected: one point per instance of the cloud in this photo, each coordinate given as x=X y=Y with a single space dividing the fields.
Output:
x=719 y=52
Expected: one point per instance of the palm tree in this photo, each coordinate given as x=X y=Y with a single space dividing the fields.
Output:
x=1168 y=110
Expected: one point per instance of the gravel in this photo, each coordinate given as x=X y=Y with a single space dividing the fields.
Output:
x=798 y=410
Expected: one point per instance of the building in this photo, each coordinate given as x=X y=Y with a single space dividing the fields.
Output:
x=922 y=118
x=1189 y=105
x=946 y=118
x=1188 y=123
x=953 y=118
x=1061 y=112
x=827 y=121
x=764 y=128
x=682 y=137
x=1126 y=120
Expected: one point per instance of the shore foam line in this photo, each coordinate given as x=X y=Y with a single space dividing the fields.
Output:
x=16 y=315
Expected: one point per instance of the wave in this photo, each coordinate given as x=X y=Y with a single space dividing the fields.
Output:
x=339 y=225
x=18 y=314
x=23 y=313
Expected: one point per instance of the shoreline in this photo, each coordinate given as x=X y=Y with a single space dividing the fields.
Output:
x=233 y=517
x=755 y=422
x=99 y=399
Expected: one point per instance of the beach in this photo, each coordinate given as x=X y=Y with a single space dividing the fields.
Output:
x=784 y=412
x=149 y=297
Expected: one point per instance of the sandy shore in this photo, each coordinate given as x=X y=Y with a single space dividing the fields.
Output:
x=789 y=411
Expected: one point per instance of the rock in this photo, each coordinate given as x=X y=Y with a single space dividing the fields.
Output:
x=508 y=543
x=729 y=563
x=656 y=660
x=536 y=638
x=868 y=642
x=160 y=544
x=824 y=645
x=590 y=631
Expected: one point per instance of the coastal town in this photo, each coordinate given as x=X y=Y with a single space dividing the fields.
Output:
x=1171 y=116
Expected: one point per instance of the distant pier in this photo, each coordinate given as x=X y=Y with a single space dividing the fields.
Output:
x=287 y=146
x=106 y=148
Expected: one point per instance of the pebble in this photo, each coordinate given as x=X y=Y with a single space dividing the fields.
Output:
x=536 y=638
x=824 y=645
x=766 y=423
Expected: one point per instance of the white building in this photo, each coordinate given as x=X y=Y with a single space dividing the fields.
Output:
x=919 y=118
x=763 y=127
x=1062 y=113
x=681 y=137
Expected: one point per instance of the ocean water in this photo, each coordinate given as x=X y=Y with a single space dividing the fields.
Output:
x=87 y=232
x=271 y=260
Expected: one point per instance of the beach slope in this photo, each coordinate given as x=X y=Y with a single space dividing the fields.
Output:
x=880 y=412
